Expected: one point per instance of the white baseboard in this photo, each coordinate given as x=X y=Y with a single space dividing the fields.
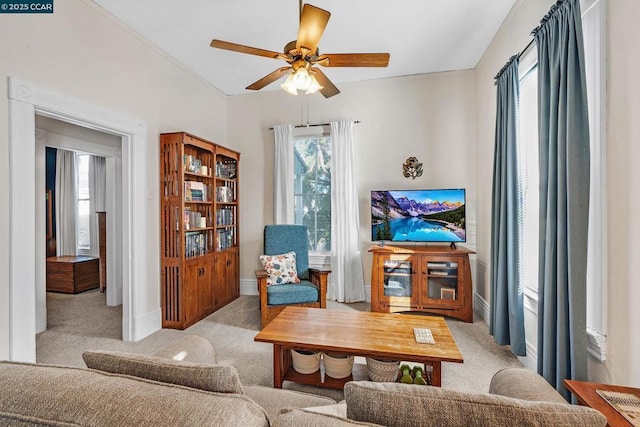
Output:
x=481 y=306
x=248 y=287
x=531 y=360
x=147 y=324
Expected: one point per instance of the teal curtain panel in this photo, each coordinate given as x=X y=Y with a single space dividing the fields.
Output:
x=564 y=195
x=507 y=313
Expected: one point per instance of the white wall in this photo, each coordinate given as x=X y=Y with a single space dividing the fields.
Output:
x=431 y=117
x=623 y=105
x=623 y=179
x=512 y=37
x=82 y=52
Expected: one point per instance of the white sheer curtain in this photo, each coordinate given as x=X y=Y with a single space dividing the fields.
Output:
x=97 y=197
x=283 y=175
x=66 y=201
x=347 y=284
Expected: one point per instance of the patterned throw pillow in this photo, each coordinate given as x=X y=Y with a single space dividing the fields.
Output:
x=280 y=269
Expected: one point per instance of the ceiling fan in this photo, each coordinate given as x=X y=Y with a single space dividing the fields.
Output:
x=303 y=54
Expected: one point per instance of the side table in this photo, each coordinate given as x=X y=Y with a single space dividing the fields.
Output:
x=586 y=394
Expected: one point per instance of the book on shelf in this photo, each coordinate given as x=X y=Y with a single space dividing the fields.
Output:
x=193 y=219
x=192 y=164
x=442 y=264
x=224 y=194
x=224 y=239
x=224 y=217
x=226 y=169
x=195 y=191
x=195 y=244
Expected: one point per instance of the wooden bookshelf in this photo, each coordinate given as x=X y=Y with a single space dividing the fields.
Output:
x=199 y=230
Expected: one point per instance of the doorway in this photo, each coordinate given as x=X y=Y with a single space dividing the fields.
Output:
x=60 y=135
x=25 y=101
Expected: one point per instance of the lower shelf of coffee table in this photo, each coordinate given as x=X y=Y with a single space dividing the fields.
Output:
x=359 y=373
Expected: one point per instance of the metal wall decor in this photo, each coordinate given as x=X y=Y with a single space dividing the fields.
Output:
x=412 y=168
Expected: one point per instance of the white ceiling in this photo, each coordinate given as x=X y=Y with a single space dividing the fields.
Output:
x=422 y=36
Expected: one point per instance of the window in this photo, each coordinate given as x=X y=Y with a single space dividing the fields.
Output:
x=312 y=189
x=83 y=221
x=594 y=32
x=528 y=181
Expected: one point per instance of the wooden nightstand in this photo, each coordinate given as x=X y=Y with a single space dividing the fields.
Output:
x=586 y=394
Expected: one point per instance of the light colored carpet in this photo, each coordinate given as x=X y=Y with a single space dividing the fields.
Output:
x=76 y=323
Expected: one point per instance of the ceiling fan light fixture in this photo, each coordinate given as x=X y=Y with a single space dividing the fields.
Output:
x=288 y=86
x=301 y=80
x=314 y=86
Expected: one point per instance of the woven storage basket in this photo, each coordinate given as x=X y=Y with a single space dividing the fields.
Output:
x=305 y=362
x=338 y=365
x=382 y=370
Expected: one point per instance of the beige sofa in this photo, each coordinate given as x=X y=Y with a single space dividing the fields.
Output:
x=182 y=386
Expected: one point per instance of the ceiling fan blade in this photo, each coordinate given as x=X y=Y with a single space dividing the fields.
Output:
x=269 y=78
x=353 y=60
x=328 y=88
x=219 y=44
x=313 y=21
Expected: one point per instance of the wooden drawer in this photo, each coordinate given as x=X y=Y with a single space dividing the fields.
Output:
x=72 y=274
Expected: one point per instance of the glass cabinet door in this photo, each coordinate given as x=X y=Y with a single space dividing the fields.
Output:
x=442 y=281
x=398 y=273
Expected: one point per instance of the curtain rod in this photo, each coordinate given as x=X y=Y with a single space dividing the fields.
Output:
x=526 y=48
x=315 y=124
x=519 y=55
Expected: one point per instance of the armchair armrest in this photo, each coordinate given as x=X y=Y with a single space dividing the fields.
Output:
x=261 y=277
x=319 y=278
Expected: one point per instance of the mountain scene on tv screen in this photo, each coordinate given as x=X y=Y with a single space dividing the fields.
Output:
x=418 y=216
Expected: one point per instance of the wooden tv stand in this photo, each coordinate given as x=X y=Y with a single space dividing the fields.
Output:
x=434 y=279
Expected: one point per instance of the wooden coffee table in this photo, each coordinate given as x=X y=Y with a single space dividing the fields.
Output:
x=382 y=335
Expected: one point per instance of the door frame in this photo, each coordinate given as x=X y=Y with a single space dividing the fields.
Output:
x=25 y=100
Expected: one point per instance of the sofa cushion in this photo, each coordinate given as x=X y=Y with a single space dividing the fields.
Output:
x=524 y=384
x=291 y=417
x=94 y=398
x=395 y=404
x=273 y=400
x=223 y=379
x=189 y=348
x=338 y=409
x=299 y=293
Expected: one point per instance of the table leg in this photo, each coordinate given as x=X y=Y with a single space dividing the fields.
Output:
x=278 y=373
x=436 y=375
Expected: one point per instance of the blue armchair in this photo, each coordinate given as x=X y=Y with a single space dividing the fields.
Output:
x=312 y=289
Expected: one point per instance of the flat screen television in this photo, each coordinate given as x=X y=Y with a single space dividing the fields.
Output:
x=436 y=215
